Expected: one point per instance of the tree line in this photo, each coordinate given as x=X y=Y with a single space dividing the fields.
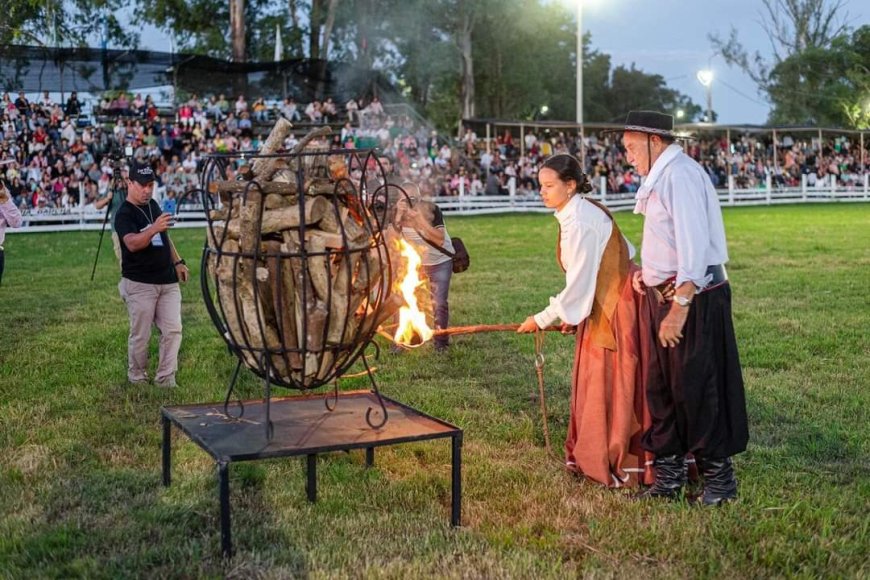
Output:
x=509 y=59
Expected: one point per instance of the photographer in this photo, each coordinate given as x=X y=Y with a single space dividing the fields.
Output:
x=9 y=216
x=114 y=198
x=151 y=270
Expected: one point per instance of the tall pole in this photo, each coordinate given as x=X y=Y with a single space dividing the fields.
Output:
x=579 y=62
x=710 y=102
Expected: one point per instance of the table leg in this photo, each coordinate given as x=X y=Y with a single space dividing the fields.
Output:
x=456 y=492
x=224 y=486
x=370 y=456
x=311 y=483
x=167 y=451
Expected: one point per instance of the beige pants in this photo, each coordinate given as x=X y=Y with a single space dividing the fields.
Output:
x=147 y=304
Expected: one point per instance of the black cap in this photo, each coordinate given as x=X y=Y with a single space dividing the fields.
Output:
x=141 y=173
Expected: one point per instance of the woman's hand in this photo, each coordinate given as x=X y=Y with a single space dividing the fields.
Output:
x=637 y=282
x=529 y=325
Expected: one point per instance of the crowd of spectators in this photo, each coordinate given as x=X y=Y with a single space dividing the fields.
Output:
x=56 y=158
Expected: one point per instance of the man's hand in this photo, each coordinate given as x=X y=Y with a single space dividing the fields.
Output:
x=183 y=272
x=671 y=330
x=529 y=325
x=163 y=222
x=637 y=282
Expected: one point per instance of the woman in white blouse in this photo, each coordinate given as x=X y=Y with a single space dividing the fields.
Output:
x=608 y=411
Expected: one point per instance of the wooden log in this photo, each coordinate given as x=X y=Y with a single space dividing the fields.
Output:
x=221 y=214
x=225 y=282
x=318 y=266
x=248 y=222
x=264 y=168
x=340 y=311
x=280 y=219
x=388 y=309
x=283 y=295
x=317 y=133
x=239 y=187
x=310 y=320
x=260 y=334
x=327 y=362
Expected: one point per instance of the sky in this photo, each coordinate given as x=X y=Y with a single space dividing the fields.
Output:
x=669 y=37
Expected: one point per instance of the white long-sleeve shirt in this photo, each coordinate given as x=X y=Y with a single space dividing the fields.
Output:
x=683 y=231
x=9 y=216
x=585 y=231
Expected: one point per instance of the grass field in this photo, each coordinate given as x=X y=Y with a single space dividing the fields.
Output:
x=80 y=491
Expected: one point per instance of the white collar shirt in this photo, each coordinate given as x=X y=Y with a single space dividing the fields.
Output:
x=683 y=231
x=584 y=233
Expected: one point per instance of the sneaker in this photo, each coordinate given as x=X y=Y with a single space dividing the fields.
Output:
x=137 y=382
x=166 y=383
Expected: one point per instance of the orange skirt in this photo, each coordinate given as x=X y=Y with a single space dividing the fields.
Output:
x=608 y=400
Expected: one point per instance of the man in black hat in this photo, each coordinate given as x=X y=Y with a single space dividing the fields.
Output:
x=695 y=385
x=150 y=271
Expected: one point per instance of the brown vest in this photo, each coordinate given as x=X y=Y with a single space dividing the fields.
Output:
x=612 y=273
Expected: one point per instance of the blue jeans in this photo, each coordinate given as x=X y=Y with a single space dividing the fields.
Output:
x=439 y=285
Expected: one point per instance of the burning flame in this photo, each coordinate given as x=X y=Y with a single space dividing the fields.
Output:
x=412 y=321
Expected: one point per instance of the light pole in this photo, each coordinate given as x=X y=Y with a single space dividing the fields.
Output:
x=705 y=77
x=579 y=62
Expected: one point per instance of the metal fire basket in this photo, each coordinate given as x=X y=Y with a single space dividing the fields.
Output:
x=296 y=274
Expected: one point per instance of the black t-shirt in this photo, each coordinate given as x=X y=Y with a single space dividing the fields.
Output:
x=152 y=265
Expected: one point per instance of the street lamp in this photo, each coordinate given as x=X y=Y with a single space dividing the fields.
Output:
x=705 y=77
x=680 y=113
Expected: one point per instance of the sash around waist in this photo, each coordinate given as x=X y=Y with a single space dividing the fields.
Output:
x=717 y=274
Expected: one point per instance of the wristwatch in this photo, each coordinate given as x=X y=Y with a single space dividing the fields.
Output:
x=180 y=262
x=682 y=300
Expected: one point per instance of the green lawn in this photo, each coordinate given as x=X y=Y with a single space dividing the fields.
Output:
x=80 y=450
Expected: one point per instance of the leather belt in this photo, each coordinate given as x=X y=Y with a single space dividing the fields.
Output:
x=718 y=277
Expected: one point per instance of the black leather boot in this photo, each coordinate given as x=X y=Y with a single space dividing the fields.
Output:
x=671 y=473
x=720 y=485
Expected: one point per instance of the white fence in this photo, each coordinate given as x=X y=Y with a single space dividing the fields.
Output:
x=191 y=215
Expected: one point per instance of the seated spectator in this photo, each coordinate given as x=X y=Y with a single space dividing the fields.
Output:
x=22 y=104
x=313 y=112
x=328 y=110
x=241 y=105
x=260 y=110
x=352 y=108
x=123 y=104
x=139 y=105
x=73 y=106
x=290 y=110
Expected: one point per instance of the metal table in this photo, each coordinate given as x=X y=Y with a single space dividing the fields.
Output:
x=302 y=426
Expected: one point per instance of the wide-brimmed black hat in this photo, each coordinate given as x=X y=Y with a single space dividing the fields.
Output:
x=650 y=122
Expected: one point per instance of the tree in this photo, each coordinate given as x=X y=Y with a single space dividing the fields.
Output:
x=834 y=86
x=53 y=23
x=801 y=32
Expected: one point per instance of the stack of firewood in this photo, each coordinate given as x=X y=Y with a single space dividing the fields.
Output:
x=300 y=270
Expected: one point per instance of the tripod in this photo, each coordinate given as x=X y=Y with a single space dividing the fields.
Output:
x=118 y=188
